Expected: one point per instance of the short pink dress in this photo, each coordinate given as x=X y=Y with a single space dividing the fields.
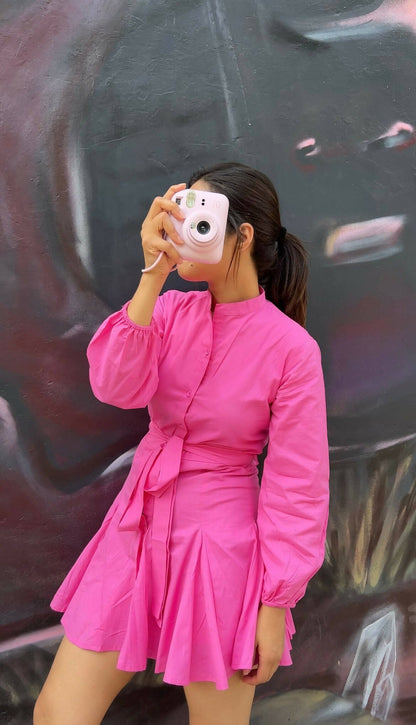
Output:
x=192 y=544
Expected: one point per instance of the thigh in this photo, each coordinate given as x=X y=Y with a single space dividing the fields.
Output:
x=80 y=687
x=209 y=706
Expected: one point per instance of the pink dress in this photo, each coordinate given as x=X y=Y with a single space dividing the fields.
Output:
x=191 y=544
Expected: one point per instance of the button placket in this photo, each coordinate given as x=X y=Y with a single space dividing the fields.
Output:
x=202 y=362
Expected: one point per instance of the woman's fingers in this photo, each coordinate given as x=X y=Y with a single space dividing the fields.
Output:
x=254 y=666
x=165 y=225
x=165 y=203
x=160 y=204
x=262 y=672
x=155 y=232
x=158 y=225
x=154 y=240
x=173 y=189
x=155 y=245
x=270 y=642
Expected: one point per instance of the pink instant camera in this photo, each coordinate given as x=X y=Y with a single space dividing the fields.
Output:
x=204 y=226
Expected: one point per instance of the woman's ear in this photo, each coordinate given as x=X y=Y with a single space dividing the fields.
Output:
x=246 y=236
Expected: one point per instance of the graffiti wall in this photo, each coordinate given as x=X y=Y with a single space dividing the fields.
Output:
x=103 y=106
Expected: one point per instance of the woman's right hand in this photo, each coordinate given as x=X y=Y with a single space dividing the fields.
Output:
x=156 y=224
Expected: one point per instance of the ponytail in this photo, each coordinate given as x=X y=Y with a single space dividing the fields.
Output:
x=285 y=280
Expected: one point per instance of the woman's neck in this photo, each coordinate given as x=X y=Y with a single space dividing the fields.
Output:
x=244 y=287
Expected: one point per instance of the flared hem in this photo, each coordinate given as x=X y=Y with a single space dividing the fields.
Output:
x=169 y=680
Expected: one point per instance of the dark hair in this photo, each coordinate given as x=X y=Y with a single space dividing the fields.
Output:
x=280 y=258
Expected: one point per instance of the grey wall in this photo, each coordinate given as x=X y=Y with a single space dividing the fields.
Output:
x=103 y=106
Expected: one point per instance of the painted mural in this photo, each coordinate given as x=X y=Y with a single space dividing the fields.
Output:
x=103 y=105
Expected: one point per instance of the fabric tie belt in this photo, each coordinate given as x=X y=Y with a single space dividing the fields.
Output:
x=167 y=451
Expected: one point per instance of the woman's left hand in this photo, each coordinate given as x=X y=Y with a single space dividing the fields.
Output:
x=270 y=642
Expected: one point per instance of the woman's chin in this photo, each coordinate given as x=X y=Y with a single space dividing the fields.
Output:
x=190 y=271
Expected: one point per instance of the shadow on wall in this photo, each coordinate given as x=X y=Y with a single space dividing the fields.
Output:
x=99 y=115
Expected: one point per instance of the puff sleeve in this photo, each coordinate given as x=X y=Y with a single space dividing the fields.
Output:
x=123 y=359
x=294 y=493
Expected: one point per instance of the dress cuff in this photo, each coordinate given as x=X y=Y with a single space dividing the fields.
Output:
x=134 y=325
x=281 y=603
x=283 y=599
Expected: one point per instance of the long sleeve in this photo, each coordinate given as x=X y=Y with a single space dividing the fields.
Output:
x=123 y=359
x=294 y=494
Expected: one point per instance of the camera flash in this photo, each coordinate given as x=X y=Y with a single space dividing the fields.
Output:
x=190 y=199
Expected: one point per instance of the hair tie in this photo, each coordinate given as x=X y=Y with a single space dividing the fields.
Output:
x=280 y=238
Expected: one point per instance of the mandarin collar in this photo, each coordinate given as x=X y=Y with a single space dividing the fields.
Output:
x=238 y=309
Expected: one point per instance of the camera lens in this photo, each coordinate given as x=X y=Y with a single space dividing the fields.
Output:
x=203 y=227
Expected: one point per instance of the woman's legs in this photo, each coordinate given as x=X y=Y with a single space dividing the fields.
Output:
x=209 y=706
x=80 y=687
x=82 y=684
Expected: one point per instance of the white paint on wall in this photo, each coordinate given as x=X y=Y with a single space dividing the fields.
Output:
x=78 y=203
x=372 y=674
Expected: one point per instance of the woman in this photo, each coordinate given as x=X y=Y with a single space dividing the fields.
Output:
x=194 y=565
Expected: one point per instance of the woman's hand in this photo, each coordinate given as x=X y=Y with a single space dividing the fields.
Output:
x=156 y=224
x=270 y=642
